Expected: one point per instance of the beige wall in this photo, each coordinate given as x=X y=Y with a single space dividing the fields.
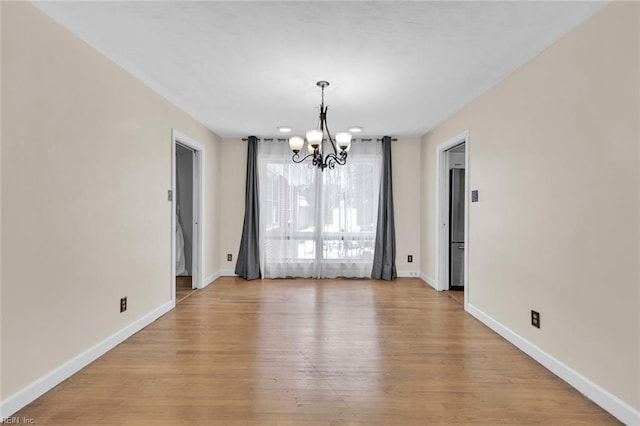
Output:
x=233 y=172
x=406 y=172
x=638 y=176
x=405 y=155
x=428 y=207
x=554 y=155
x=213 y=157
x=1 y=394
x=86 y=165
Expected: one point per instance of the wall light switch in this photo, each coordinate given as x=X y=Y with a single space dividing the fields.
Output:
x=474 y=196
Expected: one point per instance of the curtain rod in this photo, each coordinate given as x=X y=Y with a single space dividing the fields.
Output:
x=285 y=139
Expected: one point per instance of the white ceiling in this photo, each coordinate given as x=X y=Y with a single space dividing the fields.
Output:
x=395 y=68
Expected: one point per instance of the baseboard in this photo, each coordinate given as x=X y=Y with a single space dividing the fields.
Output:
x=31 y=392
x=408 y=274
x=427 y=279
x=227 y=273
x=614 y=405
x=211 y=278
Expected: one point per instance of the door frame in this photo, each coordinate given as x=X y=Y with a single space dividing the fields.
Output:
x=197 y=266
x=442 y=213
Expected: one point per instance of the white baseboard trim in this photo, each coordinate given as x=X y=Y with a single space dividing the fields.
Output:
x=227 y=273
x=211 y=278
x=427 y=279
x=408 y=274
x=33 y=391
x=614 y=405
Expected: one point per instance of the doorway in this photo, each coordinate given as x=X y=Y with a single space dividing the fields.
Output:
x=455 y=168
x=452 y=217
x=187 y=228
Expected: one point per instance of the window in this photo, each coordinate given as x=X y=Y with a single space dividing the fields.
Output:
x=318 y=224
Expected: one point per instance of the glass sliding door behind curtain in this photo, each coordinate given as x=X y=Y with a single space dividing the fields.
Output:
x=318 y=224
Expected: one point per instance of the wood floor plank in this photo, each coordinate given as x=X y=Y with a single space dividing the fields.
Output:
x=183 y=288
x=315 y=352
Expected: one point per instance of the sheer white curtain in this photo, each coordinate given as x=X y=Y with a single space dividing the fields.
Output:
x=318 y=224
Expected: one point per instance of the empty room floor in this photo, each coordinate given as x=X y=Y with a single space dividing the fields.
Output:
x=315 y=352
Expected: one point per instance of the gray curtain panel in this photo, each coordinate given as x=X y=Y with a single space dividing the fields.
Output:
x=384 y=255
x=248 y=263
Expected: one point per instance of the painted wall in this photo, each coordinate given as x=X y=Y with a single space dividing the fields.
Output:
x=83 y=224
x=554 y=155
x=233 y=171
x=212 y=206
x=428 y=208
x=406 y=172
x=1 y=291
x=405 y=156
x=638 y=188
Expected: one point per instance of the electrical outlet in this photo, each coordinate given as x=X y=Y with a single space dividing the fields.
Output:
x=229 y=257
x=410 y=258
x=123 y=304
x=535 y=319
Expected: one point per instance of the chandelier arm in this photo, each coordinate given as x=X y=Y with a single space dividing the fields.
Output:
x=297 y=159
x=330 y=161
x=333 y=159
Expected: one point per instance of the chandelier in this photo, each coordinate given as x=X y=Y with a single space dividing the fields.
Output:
x=317 y=141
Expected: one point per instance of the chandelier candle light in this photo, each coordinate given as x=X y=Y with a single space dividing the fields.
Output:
x=315 y=139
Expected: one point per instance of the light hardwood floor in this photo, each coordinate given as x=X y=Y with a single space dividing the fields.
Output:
x=456 y=295
x=183 y=288
x=315 y=352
